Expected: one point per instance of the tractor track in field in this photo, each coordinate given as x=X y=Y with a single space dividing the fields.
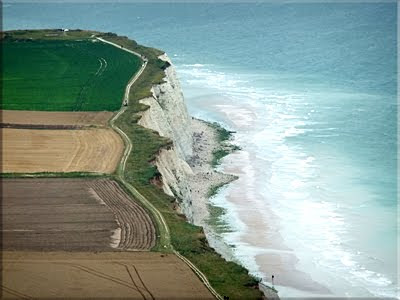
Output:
x=133 y=281
x=144 y=287
x=141 y=280
x=104 y=276
x=15 y=293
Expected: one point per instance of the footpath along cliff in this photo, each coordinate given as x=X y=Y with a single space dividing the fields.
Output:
x=167 y=114
x=186 y=168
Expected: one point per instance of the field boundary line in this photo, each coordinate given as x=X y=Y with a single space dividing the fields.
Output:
x=136 y=193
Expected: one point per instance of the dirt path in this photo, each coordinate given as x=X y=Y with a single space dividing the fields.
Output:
x=165 y=240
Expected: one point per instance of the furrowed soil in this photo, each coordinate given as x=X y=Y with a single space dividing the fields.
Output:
x=55 y=118
x=43 y=150
x=72 y=214
x=105 y=275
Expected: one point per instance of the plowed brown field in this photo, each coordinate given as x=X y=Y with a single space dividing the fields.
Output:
x=77 y=275
x=55 y=118
x=72 y=214
x=43 y=150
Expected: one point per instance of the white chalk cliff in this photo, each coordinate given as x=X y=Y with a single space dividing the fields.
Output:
x=169 y=117
x=167 y=114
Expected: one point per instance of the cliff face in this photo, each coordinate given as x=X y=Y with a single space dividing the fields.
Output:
x=167 y=114
x=169 y=117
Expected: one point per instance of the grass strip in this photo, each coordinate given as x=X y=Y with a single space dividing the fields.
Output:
x=225 y=148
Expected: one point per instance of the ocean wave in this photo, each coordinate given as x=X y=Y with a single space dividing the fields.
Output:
x=304 y=180
x=194 y=65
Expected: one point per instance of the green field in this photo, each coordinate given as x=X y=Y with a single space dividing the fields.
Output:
x=64 y=75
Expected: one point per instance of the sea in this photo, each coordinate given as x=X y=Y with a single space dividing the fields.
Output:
x=310 y=90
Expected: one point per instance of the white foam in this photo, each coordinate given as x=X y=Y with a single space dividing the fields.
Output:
x=297 y=185
x=193 y=65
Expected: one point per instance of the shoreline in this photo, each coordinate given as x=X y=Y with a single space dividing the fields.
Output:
x=205 y=176
x=272 y=256
x=206 y=181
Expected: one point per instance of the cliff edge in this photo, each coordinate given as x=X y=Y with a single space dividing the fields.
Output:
x=193 y=141
x=168 y=115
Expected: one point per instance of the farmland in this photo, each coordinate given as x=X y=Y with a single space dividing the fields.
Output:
x=72 y=214
x=77 y=118
x=64 y=75
x=104 y=275
x=90 y=221
x=44 y=150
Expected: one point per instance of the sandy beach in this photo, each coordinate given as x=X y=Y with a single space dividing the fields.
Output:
x=261 y=235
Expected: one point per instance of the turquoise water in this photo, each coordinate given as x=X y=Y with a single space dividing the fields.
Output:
x=310 y=90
